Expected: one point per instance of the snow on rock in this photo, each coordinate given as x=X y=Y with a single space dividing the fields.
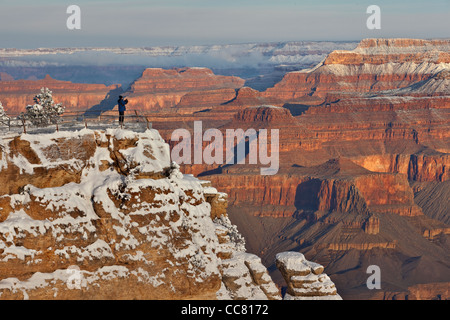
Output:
x=109 y=213
x=305 y=279
x=245 y=277
x=3 y=116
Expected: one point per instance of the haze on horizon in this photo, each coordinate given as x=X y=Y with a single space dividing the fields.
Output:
x=28 y=24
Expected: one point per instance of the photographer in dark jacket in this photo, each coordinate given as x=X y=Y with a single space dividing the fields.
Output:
x=122 y=102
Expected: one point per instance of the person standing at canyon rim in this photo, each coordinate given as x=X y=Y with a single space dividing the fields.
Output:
x=122 y=108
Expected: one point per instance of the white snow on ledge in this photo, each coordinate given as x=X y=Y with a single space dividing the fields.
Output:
x=292 y=260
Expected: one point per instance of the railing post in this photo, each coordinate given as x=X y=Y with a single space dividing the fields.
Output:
x=24 y=128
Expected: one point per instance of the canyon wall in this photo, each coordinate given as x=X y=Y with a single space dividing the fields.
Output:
x=375 y=65
x=15 y=95
x=186 y=88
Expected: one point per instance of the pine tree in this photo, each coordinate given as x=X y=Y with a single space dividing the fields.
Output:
x=4 y=119
x=44 y=111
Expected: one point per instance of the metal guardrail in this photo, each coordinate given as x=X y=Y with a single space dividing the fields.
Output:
x=79 y=118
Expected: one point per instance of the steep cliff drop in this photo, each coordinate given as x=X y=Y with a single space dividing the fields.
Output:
x=187 y=89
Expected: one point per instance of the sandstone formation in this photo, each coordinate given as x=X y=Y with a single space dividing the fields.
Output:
x=17 y=94
x=188 y=89
x=375 y=65
x=305 y=279
x=336 y=185
x=5 y=77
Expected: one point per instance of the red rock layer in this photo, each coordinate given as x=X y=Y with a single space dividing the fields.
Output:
x=422 y=120
x=15 y=95
x=423 y=291
x=204 y=100
x=379 y=51
x=297 y=85
x=248 y=97
x=266 y=115
x=336 y=185
x=418 y=167
x=5 y=77
x=189 y=87
x=373 y=66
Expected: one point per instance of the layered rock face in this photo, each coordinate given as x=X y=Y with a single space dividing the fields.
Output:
x=304 y=278
x=364 y=146
x=15 y=95
x=336 y=185
x=187 y=89
x=375 y=65
x=106 y=215
x=5 y=77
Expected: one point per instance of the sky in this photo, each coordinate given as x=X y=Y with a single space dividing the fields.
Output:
x=145 y=23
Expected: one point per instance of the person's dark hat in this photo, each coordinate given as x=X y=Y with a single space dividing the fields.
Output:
x=120 y=97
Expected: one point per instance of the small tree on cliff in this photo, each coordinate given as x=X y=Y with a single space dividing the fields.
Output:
x=4 y=119
x=44 y=111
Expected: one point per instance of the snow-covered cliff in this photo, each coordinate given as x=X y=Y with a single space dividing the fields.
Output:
x=105 y=214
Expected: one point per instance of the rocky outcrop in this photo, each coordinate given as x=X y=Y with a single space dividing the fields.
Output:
x=204 y=100
x=189 y=89
x=106 y=215
x=372 y=225
x=422 y=166
x=379 y=51
x=415 y=120
x=425 y=291
x=265 y=115
x=245 y=276
x=17 y=94
x=305 y=280
x=5 y=77
x=247 y=97
x=430 y=291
